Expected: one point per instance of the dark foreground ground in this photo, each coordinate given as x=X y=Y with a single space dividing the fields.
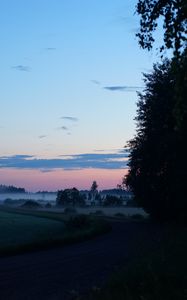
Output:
x=63 y=273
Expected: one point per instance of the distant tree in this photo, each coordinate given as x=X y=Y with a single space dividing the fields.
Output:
x=112 y=201
x=11 y=189
x=174 y=16
x=98 y=198
x=93 y=192
x=70 y=197
x=94 y=186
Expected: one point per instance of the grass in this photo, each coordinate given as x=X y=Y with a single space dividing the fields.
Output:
x=27 y=230
x=159 y=274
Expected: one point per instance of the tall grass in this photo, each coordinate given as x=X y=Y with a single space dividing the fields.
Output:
x=157 y=275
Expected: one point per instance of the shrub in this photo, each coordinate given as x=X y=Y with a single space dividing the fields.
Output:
x=120 y=215
x=78 y=222
x=48 y=205
x=31 y=204
x=70 y=210
x=112 y=201
x=137 y=217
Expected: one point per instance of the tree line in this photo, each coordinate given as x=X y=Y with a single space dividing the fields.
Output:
x=158 y=163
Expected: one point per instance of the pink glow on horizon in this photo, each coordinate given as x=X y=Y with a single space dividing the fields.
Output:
x=34 y=180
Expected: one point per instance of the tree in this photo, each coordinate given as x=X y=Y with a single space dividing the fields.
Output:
x=111 y=200
x=69 y=197
x=174 y=16
x=94 y=186
x=93 y=192
x=158 y=165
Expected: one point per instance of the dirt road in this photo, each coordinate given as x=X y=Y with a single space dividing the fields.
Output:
x=61 y=273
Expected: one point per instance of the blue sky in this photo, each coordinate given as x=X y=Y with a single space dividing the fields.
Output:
x=69 y=75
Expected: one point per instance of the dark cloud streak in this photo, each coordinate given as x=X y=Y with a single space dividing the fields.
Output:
x=122 y=88
x=73 y=119
x=72 y=162
x=50 y=49
x=21 y=68
x=95 y=81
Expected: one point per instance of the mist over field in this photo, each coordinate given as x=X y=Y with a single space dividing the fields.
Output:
x=28 y=196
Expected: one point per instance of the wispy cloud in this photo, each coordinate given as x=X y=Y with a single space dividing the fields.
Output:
x=46 y=170
x=95 y=81
x=122 y=88
x=50 y=48
x=42 y=136
x=68 y=118
x=21 y=68
x=66 y=162
x=121 y=150
x=63 y=128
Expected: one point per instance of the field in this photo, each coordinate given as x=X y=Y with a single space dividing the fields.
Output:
x=106 y=211
x=25 y=230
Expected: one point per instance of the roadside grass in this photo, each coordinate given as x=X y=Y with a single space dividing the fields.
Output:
x=155 y=274
x=28 y=230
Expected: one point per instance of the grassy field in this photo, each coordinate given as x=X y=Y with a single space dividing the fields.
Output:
x=18 y=230
x=27 y=230
x=159 y=274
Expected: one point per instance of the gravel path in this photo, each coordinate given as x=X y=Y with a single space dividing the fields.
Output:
x=61 y=273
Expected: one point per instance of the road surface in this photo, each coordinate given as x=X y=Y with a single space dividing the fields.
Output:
x=61 y=273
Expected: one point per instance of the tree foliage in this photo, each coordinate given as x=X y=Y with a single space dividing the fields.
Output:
x=69 y=197
x=94 y=186
x=158 y=164
x=111 y=200
x=11 y=189
x=174 y=16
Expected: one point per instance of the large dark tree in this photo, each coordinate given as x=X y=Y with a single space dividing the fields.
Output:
x=158 y=164
x=173 y=14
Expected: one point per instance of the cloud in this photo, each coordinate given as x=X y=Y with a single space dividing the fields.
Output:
x=73 y=119
x=63 y=128
x=22 y=68
x=111 y=150
x=95 y=81
x=123 y=88
x=67 y=162
x=46 y=170
x=50 y=49
x=42 y=136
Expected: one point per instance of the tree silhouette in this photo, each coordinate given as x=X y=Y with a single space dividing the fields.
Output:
x=94 y=186
x=158 y=165
x=174 y=16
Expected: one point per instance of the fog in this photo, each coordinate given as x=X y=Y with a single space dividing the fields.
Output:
x=28 y=196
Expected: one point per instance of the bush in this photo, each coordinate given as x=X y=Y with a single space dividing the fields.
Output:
x=137 y=217
x=112 y=201
x=48 y=205
x=13 y=202
x=99 y=212
x=78 y=222
x=120 y=215
x=70 y=210
x=31 y=204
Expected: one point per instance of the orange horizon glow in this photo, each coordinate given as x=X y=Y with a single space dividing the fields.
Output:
x=35 y=180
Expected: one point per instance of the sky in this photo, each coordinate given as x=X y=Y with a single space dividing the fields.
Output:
x=70 y=72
